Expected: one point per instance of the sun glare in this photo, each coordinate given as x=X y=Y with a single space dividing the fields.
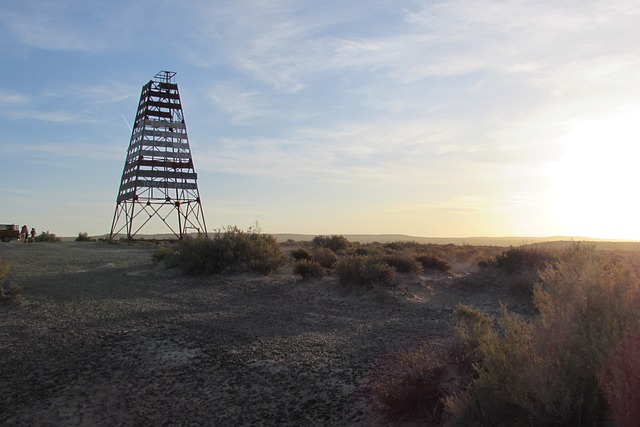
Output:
x=596 y=192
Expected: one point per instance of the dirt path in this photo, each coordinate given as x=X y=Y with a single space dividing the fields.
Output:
x=105 y=337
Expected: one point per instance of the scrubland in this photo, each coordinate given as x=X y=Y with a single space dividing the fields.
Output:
x=238 y=329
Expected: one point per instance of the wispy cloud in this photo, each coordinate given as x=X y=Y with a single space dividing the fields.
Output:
x=240 y=104
x=75 y=150
x=70 y=104
x=98 y=93
x=11 y=100
x=46 y=25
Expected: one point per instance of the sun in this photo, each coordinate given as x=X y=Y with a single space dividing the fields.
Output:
x=597 y=183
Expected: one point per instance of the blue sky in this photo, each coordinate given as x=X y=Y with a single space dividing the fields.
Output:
x=431 y=118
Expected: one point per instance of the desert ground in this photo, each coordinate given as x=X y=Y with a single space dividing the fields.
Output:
x=104 y=336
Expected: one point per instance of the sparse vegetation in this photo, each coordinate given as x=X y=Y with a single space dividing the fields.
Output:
x=300 y=254
x=9 y=291
x=545 y=371
x=308 y=268
x=335 y=242
x=518 y=267
x=230 y=250
x=167 y=253
x=568 y=359
x=434 y=262
x=84 y=237
x=365 y=271
x=573 y=364
x=325 y=257
x=403 y=262
x=46 y=236
x=523 y=258
x=413 y=384
x=619 y=380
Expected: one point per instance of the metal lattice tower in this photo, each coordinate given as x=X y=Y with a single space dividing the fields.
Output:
x=159 y=180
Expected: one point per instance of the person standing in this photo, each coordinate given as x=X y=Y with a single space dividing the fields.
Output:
x=24 y=233
x=33 y=234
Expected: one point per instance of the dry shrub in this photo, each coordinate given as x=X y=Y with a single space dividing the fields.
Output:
x=46 y=236
x=523 y=258
x=307 y=268
x=365 y=271
x=412 y=385
x=496 y=394
x=545 y=371
x=438 y=256
x=403 y=262
x=168 y=254
x=619 y=380
x=300 y=254
x=84 y=237
x=335 y=242
x=9 y=291
x=518 y=267
x=325 y=257
x=230 y=250
x=434 y=262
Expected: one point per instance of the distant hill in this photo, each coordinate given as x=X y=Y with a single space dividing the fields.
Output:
x=474 y=241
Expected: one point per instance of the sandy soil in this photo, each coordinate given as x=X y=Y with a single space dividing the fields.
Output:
x=106 y=337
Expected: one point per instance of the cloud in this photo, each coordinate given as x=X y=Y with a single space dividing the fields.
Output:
x=287 y=46
x=71 y=104
x=241 y=104
x=105 y=92
x=383 y=155
x=12 y=100
x=89 y=27
x=462 y=36
x=46 y=25
x=76 y=150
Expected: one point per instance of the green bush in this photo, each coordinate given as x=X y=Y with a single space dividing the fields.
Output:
x=403 y=262
x=231 y=250
x=84 y=237
x=309 y=269
x=544 y=371
x=434 y=262
x=325 y=257
x=45 y=236
x=300 y=254
x=365 y=271
x=335 y=242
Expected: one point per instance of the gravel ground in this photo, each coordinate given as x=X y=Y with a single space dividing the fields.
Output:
x=106 y=337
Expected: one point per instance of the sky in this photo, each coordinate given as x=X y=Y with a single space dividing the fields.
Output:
x=454 y=118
